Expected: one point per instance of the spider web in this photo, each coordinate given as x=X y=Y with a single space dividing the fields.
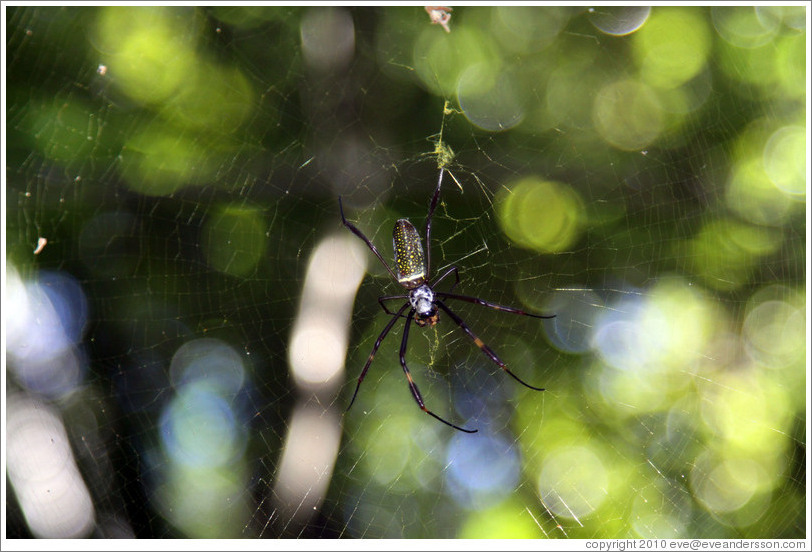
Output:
x=192 y=239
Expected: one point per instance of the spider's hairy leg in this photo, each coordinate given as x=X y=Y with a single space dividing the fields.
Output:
x=478 y=301
x=482 y=347
x=382 y=302
x=371 y=356
x=412 y=385
x=352 y=228
x=430 y=215
x=444 y=275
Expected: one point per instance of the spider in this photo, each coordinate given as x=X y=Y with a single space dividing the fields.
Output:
x=424 y=303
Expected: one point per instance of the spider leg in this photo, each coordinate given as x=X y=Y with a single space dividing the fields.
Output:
x=378 y=342
x=478 y=301
x=479 y=343
x=432 y=206
x=381 y=301
x=361 y=235
x=412 y=385
x=446 y=273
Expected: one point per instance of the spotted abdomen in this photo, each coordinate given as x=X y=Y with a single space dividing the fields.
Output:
x=410 y=263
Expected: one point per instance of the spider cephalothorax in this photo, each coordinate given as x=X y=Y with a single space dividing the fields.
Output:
x=412 y=271
x=422 y=301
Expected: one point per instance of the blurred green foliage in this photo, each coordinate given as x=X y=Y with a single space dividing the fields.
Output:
x=182 y=161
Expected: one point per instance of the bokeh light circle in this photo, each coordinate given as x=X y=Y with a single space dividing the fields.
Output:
x=541 y=215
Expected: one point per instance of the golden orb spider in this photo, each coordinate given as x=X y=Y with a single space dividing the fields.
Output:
x=412 y=270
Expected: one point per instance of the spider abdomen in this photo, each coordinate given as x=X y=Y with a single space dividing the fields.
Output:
x=410 y=262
